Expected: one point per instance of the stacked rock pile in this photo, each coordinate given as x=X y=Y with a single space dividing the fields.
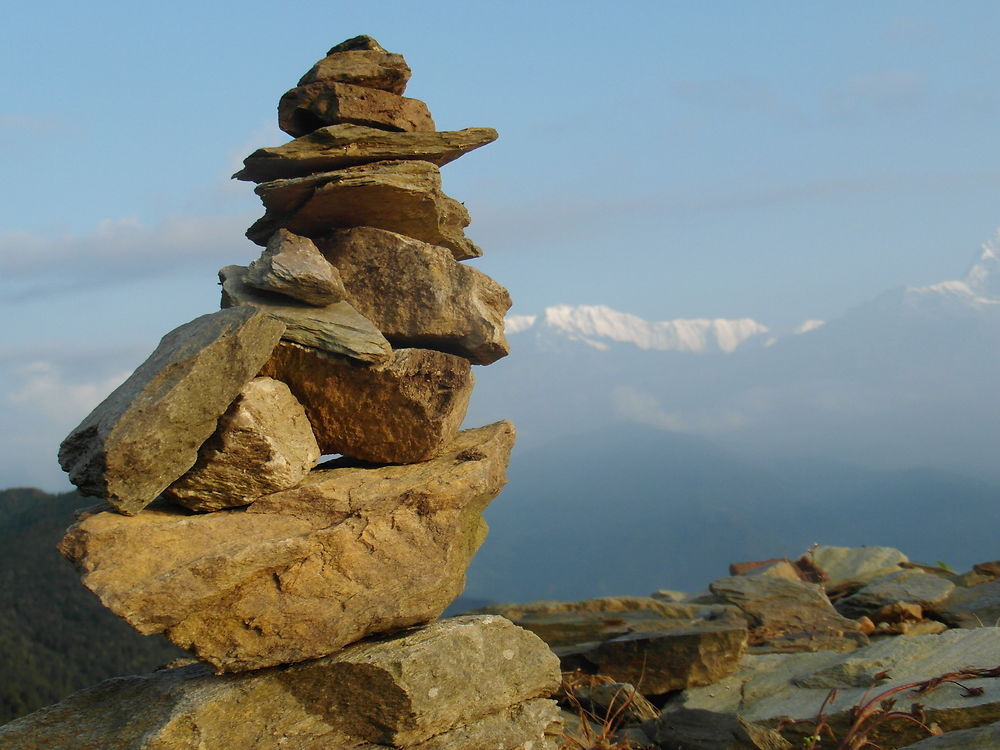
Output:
x=353 y=333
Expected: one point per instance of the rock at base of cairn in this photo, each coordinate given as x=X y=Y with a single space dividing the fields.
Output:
x=147 y=433
x=460 y=683
x=401 y=412
x=300 y=573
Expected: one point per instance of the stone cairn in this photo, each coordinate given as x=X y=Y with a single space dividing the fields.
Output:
x=353 y=333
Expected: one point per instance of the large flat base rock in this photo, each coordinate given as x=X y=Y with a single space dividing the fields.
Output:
x=147 y=433
x=300 y=573
x=453 y=685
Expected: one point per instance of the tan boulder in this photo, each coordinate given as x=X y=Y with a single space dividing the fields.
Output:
x=337 y=328
x=339 y=146
x=452 y=685
x=303 y=572
x=263 y=444
x=372 y=68
x=303 y=109
x=418 y=295
x=400 y=196
x=147 y=433
x=293 y=266
x=403 y=411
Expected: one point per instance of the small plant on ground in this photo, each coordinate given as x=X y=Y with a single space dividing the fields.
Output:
x=872 y=712
x=597 y=732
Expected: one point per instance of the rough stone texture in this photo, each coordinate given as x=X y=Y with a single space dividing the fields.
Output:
x=337 y=328
x=788 y=615
x=978 y=738
x=302 y=572
x=848 y=563
x=404 y=411
x=401 y=196
x=772 y=686
x=972 y=607
x=419 y=295
x=339 y=146
x=658 y=662
x=441 y=687
x=147 y=433
x=263 y=444
x=293 y=266
x=307 y=108
x=698 y=729
x=904 y=586
x=533 y=725
x=374 y=69
x=776 y=568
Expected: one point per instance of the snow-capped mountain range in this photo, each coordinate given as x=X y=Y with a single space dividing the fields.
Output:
x=601 y=327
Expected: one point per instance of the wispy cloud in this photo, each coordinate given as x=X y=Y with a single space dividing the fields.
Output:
x=28 y=124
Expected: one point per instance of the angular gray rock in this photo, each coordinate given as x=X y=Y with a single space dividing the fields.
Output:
x=336 y=329
x=339 y=146
x=770 y=687
x=403 y=411
x=788 y=615
x=303 y=572
x=293 y=266
x=147 y=433
x=436 y=688
x=309 y=107
x=851 y=563
x=418 y=295
x=904 y=586
x=972 y=607
x=400 y=196
x=263 y=444
x=698 y=729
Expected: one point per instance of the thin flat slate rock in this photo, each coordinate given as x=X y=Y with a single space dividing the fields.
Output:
x=337 y=328
x=399 y=196
x=338 y=146
x=147 y=433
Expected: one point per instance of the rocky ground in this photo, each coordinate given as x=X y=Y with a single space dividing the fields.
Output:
x=840 y=647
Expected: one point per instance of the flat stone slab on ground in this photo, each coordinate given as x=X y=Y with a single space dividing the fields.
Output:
x=403 y=411
x=339 y=146
x=300 y=573
x=852 y=563
x=147 y=433
x=439 y=687
x=400 y=196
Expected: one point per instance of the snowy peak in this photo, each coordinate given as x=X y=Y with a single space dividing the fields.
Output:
x=600 y=326
x=980 y=287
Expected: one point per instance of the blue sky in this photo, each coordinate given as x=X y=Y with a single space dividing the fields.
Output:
x=778 y=160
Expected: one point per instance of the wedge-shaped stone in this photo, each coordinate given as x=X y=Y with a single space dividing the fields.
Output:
x=306 y=108
x=403 y=411
x=339 y=146
x=440 y=687
x=374 y=69
x=337 y=328
x=293 y=266
x=147 y=433
x=418 y=294
x=263 y=444
x=401 y=196
x=303 y=572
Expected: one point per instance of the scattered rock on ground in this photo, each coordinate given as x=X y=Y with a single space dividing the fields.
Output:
x=973 y=607
x=848 y=563
x=699 y=729
x=904 y=586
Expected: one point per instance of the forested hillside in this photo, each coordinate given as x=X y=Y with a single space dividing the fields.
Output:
x=55 y=637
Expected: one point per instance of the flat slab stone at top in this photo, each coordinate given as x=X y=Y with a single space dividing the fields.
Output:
x=306 y=108
x=147 y=433
x=337 y=328
x=400 y=196
x=339 y=146
x=372 y=68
